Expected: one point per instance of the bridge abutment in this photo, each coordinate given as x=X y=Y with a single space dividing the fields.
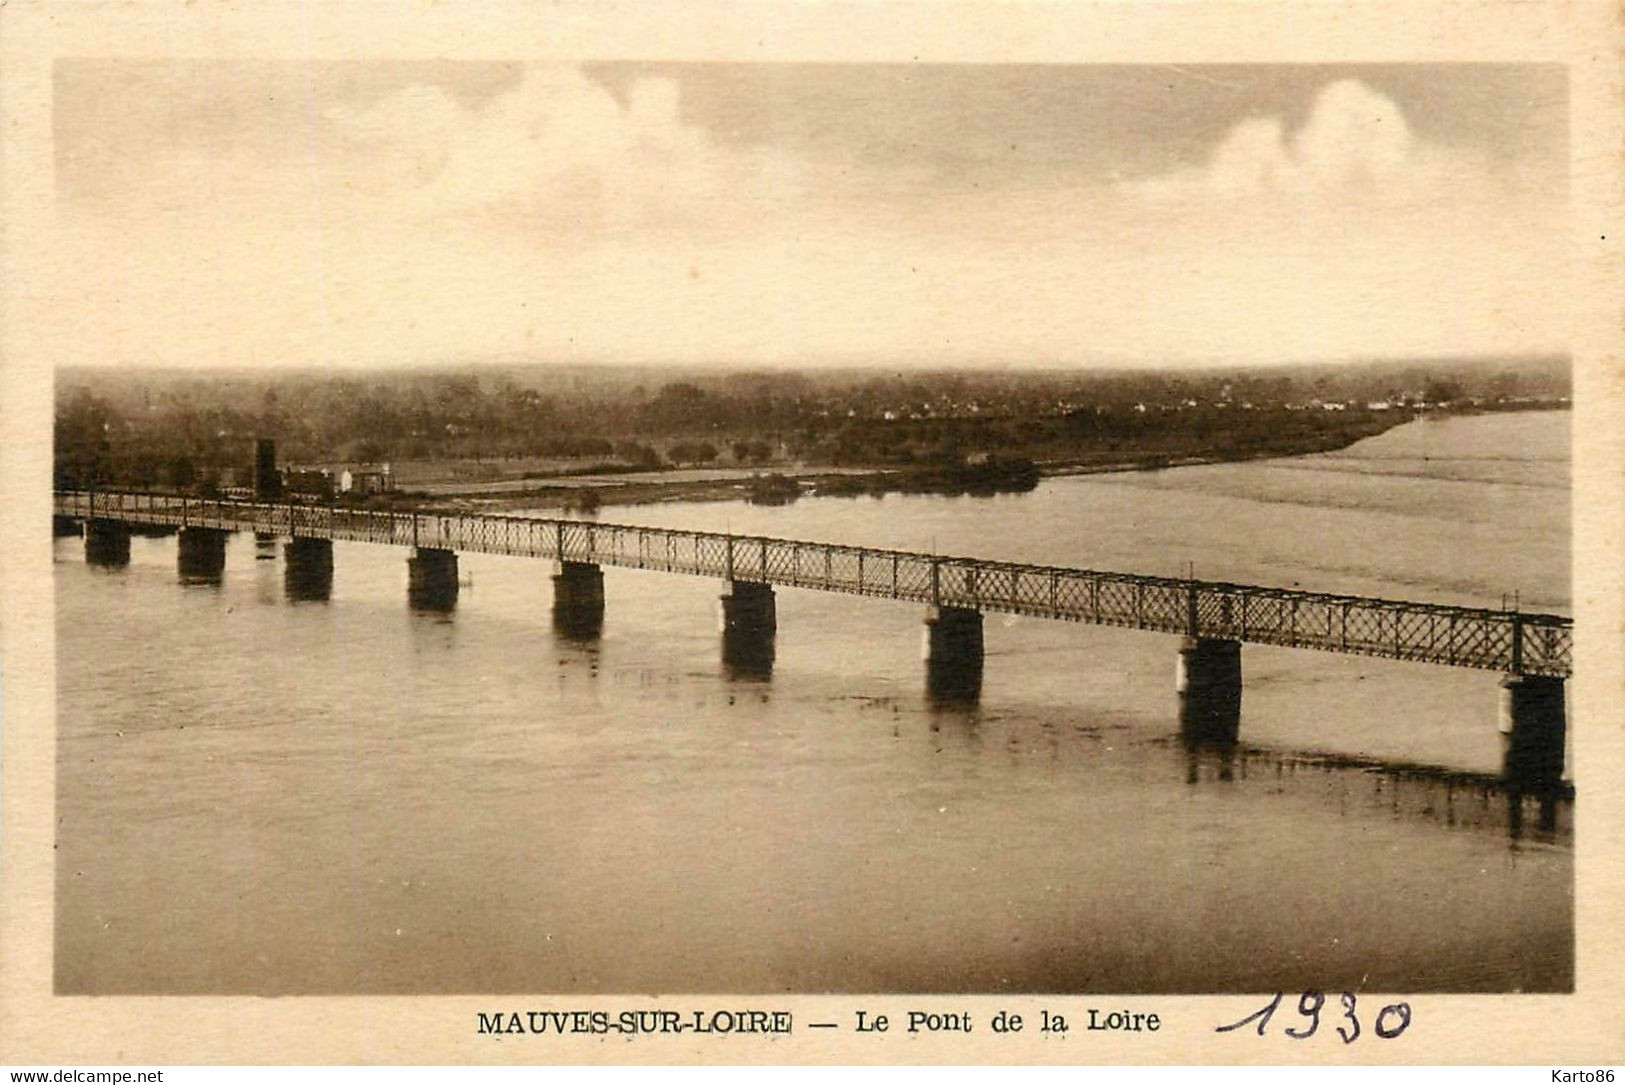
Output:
x=307 y=571
x=748 y=621
x=578 y=599
x=1533 y=730
x=1208 y=680
x=107 y=542
x=431 y=579
x=200 y=554
x=953 y=653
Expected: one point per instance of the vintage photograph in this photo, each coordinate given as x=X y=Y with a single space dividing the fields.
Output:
x=772 y=527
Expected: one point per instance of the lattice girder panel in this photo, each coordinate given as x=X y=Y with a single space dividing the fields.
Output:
x=1216 y=615
x=1166 y=606
x=1546 y=647
x=913 y=577
x=1268 y=617
x=780 y=562
x=1415 y=634
x=627 y=545
x=787 y=567
x=1120 y=601
x=1482 y=641
x=991 y=588
x=1077 y=596
x=709 y=555
x=953 y=584
x=1033 y=591
x=674 y=552
x=310 y=522
x=840 y=569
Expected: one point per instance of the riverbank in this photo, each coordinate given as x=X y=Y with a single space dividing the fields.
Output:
x=782 y=484
x=1016 y=470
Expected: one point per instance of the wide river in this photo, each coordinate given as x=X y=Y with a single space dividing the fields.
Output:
x=262 y=796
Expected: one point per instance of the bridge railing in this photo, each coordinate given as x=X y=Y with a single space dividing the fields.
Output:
x=1501 y=640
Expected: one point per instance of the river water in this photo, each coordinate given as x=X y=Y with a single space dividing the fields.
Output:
x=262 y=796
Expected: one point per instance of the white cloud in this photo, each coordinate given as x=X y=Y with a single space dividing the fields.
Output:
x=557 y=149
x=1354 y=148
x=1353 y=136
x=1350 y=235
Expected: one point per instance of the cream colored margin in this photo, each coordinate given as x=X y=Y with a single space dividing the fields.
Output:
x=37 y=1028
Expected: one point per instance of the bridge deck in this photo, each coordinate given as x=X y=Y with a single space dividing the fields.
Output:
x=1497 y=640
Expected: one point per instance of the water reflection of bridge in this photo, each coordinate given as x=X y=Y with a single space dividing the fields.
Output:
x=1450 y=798
x=1532 y=651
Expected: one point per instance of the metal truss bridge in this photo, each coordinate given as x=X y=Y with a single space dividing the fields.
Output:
x=1509 y=641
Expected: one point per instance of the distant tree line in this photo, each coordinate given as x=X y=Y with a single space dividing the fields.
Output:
x=157 y=429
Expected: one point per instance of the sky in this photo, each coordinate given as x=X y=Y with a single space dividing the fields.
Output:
x=381 y=213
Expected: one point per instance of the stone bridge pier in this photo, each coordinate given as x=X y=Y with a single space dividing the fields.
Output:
x=107 y=542
x=1534 y=730
x=307 y=570
x=1208 y=680
x=748 y=620
x=200 y=554
x=578 y=600
x=953 y=652
x=431 y=579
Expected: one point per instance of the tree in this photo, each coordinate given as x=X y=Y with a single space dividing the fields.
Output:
x=1441 y=390
x=692 y=452
x=82 y=448
x=751 y=451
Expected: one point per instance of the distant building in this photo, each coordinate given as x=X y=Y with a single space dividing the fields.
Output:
x=365 y=479
x=307 y=483
x=346 y=478
x=267 y=479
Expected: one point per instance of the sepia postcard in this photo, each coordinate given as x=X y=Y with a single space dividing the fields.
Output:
x=781 y=533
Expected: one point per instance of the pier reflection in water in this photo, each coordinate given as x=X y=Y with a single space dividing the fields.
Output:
x=1451 y=799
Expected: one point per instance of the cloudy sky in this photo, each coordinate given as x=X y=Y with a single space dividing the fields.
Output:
x=243 y=213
